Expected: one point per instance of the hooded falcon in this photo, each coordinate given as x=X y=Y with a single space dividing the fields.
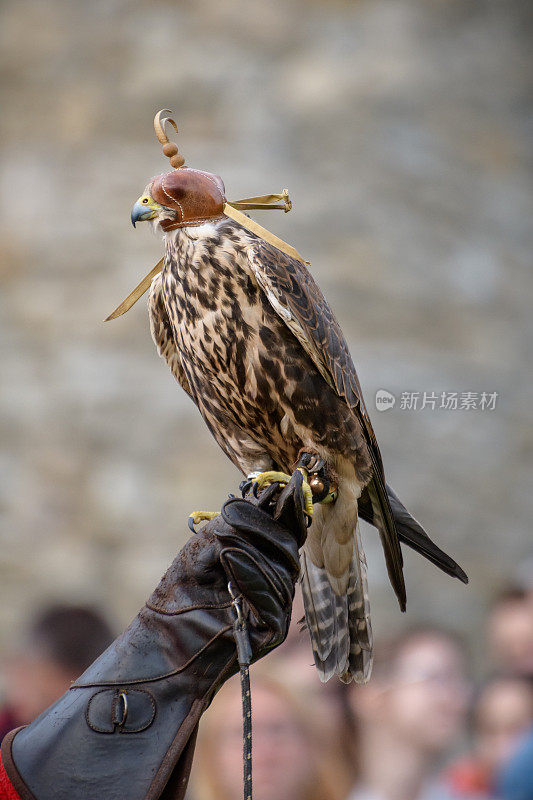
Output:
x=249 y=336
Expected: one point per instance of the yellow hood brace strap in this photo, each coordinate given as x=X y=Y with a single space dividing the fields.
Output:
x=234 y=210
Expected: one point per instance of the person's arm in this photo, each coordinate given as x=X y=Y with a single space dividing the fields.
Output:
x=127 y=727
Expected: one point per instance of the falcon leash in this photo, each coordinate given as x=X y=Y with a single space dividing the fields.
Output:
x=244 y=657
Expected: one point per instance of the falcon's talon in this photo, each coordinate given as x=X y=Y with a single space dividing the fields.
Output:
x=200 y=516
x=271 y=476
x=246 y=486
x=311 y=462
x=330 y=497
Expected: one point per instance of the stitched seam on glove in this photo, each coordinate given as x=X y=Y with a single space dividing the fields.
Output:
x=162 y=677
x=199 y=607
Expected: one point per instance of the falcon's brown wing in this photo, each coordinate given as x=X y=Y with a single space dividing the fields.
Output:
x=162 y=334
x=297 y=299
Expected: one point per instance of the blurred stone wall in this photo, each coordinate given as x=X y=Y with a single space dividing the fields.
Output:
x=401 y=130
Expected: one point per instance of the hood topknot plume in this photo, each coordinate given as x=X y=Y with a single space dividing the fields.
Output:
x=170 y=149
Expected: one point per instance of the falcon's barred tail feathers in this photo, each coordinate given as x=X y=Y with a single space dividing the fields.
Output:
x=339 y=625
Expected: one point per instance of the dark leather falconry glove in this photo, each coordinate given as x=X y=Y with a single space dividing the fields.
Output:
x=127 y=727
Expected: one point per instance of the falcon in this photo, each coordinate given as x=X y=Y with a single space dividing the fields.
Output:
x=248 y=335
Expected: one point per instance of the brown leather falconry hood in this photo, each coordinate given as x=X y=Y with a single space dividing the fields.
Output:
x=194 y=195
x=197 y=197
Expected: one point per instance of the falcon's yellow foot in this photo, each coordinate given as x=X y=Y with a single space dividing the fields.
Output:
x=330 y=497
x=266 y=478
x=200 y=516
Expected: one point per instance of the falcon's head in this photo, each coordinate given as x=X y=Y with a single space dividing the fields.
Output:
x=181 y=198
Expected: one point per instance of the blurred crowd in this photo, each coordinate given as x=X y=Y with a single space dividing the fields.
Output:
x=422 y=729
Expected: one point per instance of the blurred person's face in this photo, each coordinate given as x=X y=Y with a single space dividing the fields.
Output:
x=510 y=635
x=282 y=758
x=504 y=713
x=32 y=682
x=426 y=702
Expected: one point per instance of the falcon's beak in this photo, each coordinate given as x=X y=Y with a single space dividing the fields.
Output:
x=145 y=208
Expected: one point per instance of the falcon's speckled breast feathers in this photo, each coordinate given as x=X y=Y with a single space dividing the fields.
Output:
x=249 y=336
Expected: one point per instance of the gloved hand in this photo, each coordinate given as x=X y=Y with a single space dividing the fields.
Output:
x=127 y=727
